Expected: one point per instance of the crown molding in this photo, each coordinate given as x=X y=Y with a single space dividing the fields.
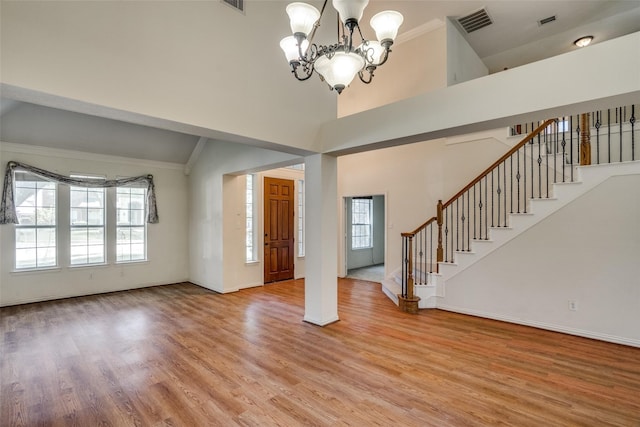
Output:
x=425 y=28
x=83 y=155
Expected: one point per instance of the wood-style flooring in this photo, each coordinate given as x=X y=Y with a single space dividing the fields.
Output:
x=180 y=355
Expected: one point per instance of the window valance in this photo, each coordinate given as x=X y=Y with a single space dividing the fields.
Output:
x=8 y=207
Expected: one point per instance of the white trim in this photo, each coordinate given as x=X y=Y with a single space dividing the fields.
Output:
x=92 y=292
x=82 y=155
x=541 y=325
x=318 y=322
x=429 y=26
x=195 y=154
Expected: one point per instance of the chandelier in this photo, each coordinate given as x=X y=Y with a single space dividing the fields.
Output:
x=338 y=64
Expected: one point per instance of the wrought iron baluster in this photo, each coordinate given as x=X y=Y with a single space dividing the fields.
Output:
x=446 y=236
x=498 y=192
x=597 y=125
x=486 y=210
x=632 y=120
x=504 y=191
x=431 y=250
x=609 y=135
x=468 y=221
x=539 y=170
x=457 y=224
x=492 y=204
x=620 y=133
x=452 y=260
x=571 y=145
x=564 y=154
x=511 y=184
x=532 y=171
x=474 y=212
x=463 y=219
x=480 y=207
x=518 y=177
x=524 y=176
x=548 y=169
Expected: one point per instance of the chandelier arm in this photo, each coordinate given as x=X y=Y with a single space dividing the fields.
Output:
x=317 y=24
x=308 y=71
x=384 y=58
x=370 y=70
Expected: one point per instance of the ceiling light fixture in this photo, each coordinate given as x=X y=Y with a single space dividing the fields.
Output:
x=338 y=64
x=583 y=41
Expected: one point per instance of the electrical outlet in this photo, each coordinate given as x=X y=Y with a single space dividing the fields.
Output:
x=573 y=306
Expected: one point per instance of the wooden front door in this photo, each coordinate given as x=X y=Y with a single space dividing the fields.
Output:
x=278 y=229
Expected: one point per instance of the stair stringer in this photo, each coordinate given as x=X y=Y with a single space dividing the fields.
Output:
x=587 y=178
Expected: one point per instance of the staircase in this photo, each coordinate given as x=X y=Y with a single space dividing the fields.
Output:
x=488 y=213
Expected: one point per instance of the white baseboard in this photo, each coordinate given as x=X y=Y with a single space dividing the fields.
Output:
x=541 y=325
x=84 y=294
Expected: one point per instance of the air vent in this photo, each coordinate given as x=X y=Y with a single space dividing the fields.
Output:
x=476 y=20
x=236 y=4
x=546 y=20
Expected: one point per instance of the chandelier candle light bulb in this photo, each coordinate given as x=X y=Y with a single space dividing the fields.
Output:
x=339 y=63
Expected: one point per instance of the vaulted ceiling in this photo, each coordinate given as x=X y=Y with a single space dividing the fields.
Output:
x=514 y=38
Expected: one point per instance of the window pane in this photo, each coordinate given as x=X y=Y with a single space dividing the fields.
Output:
x=137 y=251
x=78 y=255
x=96 y=236
x=24 y=196
x=46 y=257
x=26 y=258
x=47 y=198
x=46 y=237
x=78 y=198
x=131 y=226
x=78 y=236
x=95 y=216
x=78 y=216
x=96 y=253
x=46 y=216
x=137 y=234
x=123 y=252
x=25 y=238
x=26 y=215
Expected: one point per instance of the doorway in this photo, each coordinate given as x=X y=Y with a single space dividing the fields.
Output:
x=278 y=229
x=365 y=237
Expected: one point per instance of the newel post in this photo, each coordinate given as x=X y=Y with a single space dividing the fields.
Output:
x=585 y=140
x=440 y=250
x=409 y=304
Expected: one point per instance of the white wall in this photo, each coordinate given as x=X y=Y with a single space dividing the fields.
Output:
x=415 y=66
x=413 y=178
x=586 y=252
x=214 y=202
x=463 y=63
x=186 y=62
x=167 y=247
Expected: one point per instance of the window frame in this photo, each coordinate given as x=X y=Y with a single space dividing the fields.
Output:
x=20 y=228
x=356 y=239
x=251 y=247
x=88 y=226
x=119 y=259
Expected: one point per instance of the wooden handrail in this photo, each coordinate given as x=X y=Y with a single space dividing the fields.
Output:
x=414 y=232
x=509 y=153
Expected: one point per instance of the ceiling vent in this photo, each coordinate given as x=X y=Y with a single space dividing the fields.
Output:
x=546 y=20
x=236 y=4
x=476 y=20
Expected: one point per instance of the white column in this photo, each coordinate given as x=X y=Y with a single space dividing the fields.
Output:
x=321 y=246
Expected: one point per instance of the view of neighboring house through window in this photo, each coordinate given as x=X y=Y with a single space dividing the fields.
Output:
x=361 y=222
x=130 y=224
x=87 y=224
x=35 y=200
x=250 y=237
x=301 y=217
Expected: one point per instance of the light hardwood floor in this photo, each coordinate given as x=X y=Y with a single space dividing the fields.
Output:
x=180 y=355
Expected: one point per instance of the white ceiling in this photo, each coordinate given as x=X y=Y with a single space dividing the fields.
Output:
x=514 y=39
